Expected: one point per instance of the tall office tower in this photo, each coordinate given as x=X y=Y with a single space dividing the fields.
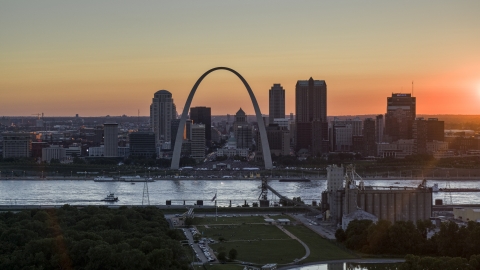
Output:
x=110 y=139
x=276 y=102
x=311 y=116
x=16 y=145
x=427 y=131
x=420 y=131
x=197 y=142
x=278 y=140
x=379 y=128
x=97 y=135
x=356 y=127
x=436 y=130
x=242 y=130
x=369 y=146
x=162 y=111
x=203 y=115
x=342 y=139
x=356 y=123
x=142 y=144
x=401 y=112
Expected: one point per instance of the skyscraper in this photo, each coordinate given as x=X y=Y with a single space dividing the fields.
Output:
x=276 y=102
x=379 y=128
x=162 y=111
x=203 y=115
x=369 y=146
x=311 y=116
x=110 y=139
x=425 y=132
x=401 y=112
x=242 y=130
x=197 y=142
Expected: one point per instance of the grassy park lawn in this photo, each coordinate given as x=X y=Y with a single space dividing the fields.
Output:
x=280 y=216
x=320 y=249
x=263 y=252
x=242 y=232
x=259 y=243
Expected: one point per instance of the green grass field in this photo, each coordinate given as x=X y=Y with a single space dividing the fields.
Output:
x=242 y=232
x=263 y=252
x=320 y=249
x=262 y=244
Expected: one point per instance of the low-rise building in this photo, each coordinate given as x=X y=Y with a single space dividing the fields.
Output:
x=55 y=152
x=96 y=151
x=16 y=145
x=467 y=214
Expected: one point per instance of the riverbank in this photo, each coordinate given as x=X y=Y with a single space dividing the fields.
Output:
x=359 y=261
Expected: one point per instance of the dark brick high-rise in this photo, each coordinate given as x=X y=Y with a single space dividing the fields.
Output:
x=401 y=112
x=203 y=115
x=311 y=116
x=369 y=145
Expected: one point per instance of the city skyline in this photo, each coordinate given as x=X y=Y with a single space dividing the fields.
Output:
x=91 y=59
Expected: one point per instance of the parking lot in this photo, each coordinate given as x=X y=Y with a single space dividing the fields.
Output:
x=202 y=251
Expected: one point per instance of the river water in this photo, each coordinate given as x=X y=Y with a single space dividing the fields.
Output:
x=348 y=266
x=80 y=192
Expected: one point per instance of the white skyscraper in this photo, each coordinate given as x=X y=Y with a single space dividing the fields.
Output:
x=162 y=111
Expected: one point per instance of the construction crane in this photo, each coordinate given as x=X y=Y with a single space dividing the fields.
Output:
x=38 y=115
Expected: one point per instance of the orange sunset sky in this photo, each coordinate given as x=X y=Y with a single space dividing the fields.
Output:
x=109 y=57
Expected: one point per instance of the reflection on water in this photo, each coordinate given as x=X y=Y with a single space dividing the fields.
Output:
x=350 y=266
x=50 y=192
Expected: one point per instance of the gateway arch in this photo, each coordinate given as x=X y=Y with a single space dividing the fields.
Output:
x=267 y=157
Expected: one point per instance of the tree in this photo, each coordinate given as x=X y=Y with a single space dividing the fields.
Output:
x=232 y=254
x=378 y=238
x=357 y=234
x=404 y=237
x=188 y=221
x=222 y=256
x=340 y=235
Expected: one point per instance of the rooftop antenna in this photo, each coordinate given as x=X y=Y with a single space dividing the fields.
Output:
x=412 y=88
x=138 y=119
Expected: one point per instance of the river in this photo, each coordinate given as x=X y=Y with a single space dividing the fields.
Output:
x=88 y=192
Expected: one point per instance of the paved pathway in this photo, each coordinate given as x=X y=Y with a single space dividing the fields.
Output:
x=321 y=230
x=307 y=249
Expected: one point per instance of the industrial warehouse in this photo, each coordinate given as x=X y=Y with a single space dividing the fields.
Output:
x=347 y=198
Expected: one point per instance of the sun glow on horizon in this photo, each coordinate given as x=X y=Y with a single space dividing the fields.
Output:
x=95 y=62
